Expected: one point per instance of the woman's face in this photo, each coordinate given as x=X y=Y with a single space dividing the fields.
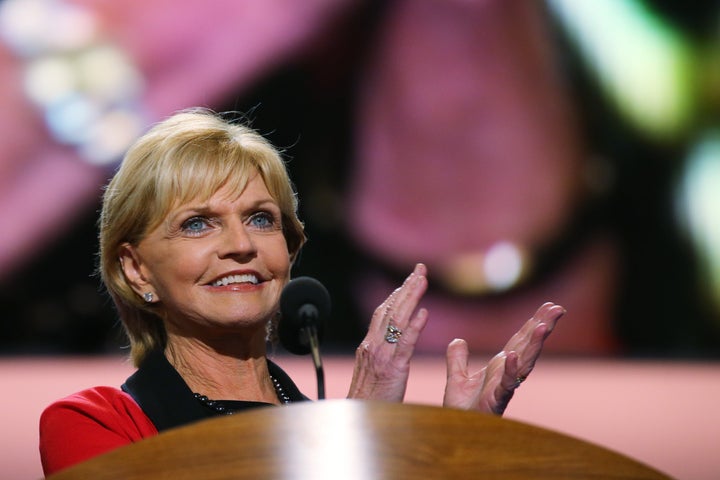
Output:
x=221 y=263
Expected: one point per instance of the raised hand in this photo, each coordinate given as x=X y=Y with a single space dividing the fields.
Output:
x=382 y=361
x=491 y=388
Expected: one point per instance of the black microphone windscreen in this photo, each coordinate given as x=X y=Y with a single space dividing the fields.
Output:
x=304 y=302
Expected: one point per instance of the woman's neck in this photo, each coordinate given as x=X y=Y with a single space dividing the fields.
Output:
x=219 y=374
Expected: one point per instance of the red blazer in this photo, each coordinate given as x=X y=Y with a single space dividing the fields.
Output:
x=100 y=419
x=153 y=399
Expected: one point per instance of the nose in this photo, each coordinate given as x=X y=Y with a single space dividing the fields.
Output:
x=236 y=241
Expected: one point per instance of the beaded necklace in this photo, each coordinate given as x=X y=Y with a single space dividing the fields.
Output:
x=221 y=407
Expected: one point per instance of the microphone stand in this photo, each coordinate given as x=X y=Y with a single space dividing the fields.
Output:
x=317 y=360
x=304 y=304
x=310 y=315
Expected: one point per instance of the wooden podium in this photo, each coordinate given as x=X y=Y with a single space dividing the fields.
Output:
x=356 y=440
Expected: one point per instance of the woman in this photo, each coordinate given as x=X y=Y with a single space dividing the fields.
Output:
x=198 y=233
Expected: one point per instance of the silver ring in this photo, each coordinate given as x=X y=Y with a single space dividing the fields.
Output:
x=393 y=334
x=519 y=380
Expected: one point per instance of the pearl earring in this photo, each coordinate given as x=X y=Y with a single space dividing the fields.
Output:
x=148 y=297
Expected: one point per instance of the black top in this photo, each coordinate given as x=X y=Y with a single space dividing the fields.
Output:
x=166 y=399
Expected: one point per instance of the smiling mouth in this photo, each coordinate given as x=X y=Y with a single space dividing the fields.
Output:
x=235 y=279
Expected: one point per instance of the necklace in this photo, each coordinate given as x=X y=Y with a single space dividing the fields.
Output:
x=280 y=391
x=223 y=408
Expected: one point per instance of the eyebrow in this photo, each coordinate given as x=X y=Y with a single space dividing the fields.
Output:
x=207 y=207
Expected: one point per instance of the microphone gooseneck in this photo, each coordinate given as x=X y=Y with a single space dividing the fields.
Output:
x=305 y=307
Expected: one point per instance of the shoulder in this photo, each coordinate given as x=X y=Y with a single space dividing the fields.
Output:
x=97 y=402
x=91 y=397
x=88 y=423
x=110 y=406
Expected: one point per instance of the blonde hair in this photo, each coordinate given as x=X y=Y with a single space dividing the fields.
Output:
x=190 y=155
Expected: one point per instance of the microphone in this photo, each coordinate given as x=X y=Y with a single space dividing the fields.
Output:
x=305 y=306
x=304 y=303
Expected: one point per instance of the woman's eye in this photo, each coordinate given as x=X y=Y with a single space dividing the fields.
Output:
x=262 y=220
x=195 y=225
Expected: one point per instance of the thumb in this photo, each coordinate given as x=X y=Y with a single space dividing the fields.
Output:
x=457 y=358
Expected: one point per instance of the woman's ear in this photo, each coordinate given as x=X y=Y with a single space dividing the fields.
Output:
x=132 y=267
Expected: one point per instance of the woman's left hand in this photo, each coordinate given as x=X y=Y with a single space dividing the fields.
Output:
x=382 y=361
x=490 y=389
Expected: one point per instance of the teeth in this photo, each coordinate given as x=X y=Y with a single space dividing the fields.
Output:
x=246 y=278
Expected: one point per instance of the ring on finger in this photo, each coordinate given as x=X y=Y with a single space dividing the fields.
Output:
x=393 y=334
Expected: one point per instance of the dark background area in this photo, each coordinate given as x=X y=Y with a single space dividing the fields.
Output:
x=55 y=304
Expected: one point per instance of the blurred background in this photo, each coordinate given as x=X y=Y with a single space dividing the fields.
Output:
x=561 y=150
x=526 y=151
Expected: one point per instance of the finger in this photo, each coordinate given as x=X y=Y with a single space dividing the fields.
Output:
x=550 y=316
x=532 y=349
x=400 y=315
x=494 y=370
x=457 y=358
x=521 y=336
x=407 y=297
x=511 y=377
x=415 y=326
x=405 y=348
x=548 y=313
x=492 y=381
x=380 y=317
x=505 y=387
x=378 y=320
x=547 y=318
